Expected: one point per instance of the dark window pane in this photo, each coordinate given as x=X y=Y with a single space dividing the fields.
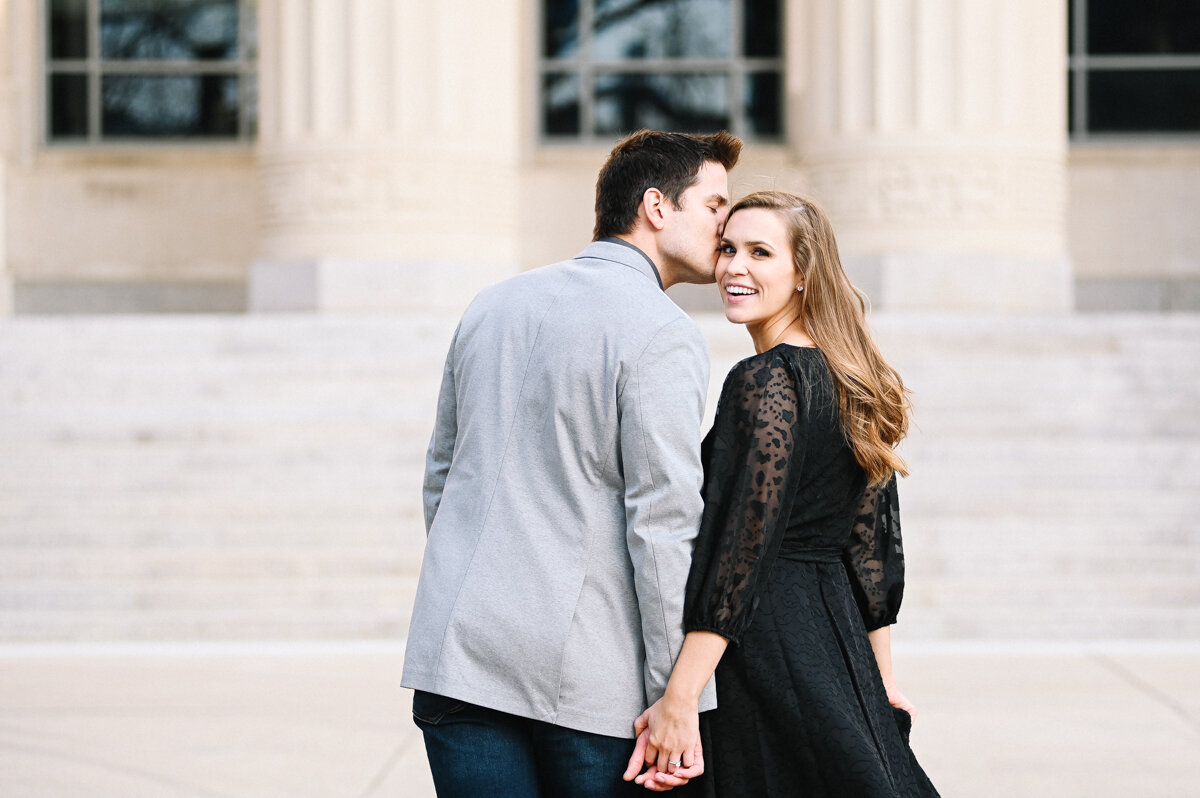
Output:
x=194 y=106
x=764 y=104
x=763 y=29
x=68 y=106
x=560 y=105
x=661 y=29
x=201 y=30
x=1145 y=101
x=1131 y=27
x=68 y=29
x=561 y=31
x=682 y=103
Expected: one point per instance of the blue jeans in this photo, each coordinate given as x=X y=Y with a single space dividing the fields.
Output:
x=474 y=751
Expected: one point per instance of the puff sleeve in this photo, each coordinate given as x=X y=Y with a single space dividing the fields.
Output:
x=753 y=457
x=874 y=558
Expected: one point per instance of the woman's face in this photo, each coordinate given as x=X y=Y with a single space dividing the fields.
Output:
x=754 y=269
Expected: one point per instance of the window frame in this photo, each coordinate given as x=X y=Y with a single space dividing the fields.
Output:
x=735 y=68
x=1080 y=63
x=94 y=68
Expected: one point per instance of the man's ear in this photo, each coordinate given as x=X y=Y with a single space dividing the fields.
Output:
x=654 y=207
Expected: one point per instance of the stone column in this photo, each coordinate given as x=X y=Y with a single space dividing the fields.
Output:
x=388 y=147
x=8 y=115
x=935 y=135
x=6 y=282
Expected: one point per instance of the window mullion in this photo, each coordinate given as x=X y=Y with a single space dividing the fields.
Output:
x=736 y=91
x=1142 y=62
x=1079 y=109
x=242 y=75
x=586 y=74
x=94 y=79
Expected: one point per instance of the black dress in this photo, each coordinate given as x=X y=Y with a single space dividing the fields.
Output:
x=795 y=561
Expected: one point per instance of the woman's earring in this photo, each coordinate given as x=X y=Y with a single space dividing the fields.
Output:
x=799 y=289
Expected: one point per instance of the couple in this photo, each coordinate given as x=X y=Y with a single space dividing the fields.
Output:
x=577 y=527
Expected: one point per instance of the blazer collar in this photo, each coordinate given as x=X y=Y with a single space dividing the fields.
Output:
x=620 y=251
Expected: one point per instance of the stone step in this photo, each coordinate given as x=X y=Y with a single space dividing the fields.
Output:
x=1034 y=532
x=149 y=533
x=998 y=621
x=252 y=623
x=335 y=560
x=1027 y=562
x=217 y=593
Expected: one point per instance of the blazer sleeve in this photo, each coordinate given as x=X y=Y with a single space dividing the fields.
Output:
x=661 y=405
x=441 y=444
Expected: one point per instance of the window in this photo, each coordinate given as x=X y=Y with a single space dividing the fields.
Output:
x=138 y=70
x=610 y=67
x=1134 y=67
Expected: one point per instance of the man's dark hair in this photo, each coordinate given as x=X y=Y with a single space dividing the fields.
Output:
x=669 y=162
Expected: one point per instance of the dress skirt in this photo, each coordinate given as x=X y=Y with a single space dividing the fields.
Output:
x=802 y=710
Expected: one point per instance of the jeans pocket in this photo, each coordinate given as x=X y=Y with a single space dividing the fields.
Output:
x=432 y=709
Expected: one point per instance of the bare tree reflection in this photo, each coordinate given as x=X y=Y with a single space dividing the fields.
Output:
x=203 y=104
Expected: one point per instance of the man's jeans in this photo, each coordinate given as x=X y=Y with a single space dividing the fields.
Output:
x=475 y=752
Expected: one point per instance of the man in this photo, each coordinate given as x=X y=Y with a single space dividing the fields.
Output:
x=562 y=491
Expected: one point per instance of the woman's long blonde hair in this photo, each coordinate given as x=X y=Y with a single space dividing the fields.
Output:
x=872 y=400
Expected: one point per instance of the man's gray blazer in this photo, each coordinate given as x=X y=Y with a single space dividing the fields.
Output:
x=562 y=496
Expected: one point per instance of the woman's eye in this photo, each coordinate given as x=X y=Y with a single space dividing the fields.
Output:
x=727 y=249
x=759 y=252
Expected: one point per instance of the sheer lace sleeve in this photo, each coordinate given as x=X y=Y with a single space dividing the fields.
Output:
x=875 y=559
x=752 y=461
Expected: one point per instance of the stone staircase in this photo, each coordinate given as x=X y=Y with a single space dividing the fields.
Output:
x=258 y=477
x=209 y=477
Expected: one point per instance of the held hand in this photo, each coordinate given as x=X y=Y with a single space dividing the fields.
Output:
x=638 y=758
x=674 y=728
x=669 y=742
x=656 y=781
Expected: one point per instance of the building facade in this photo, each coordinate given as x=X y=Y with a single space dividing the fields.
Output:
x=387 y=155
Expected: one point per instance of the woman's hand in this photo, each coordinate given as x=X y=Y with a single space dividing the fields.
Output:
x=899 y=701
x=668 y=733
x=672 y=729
x=656 y=781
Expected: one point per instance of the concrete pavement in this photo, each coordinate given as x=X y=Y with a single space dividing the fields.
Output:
x=329 y=720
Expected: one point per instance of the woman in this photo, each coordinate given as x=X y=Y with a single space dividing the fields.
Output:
x=798 y=561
